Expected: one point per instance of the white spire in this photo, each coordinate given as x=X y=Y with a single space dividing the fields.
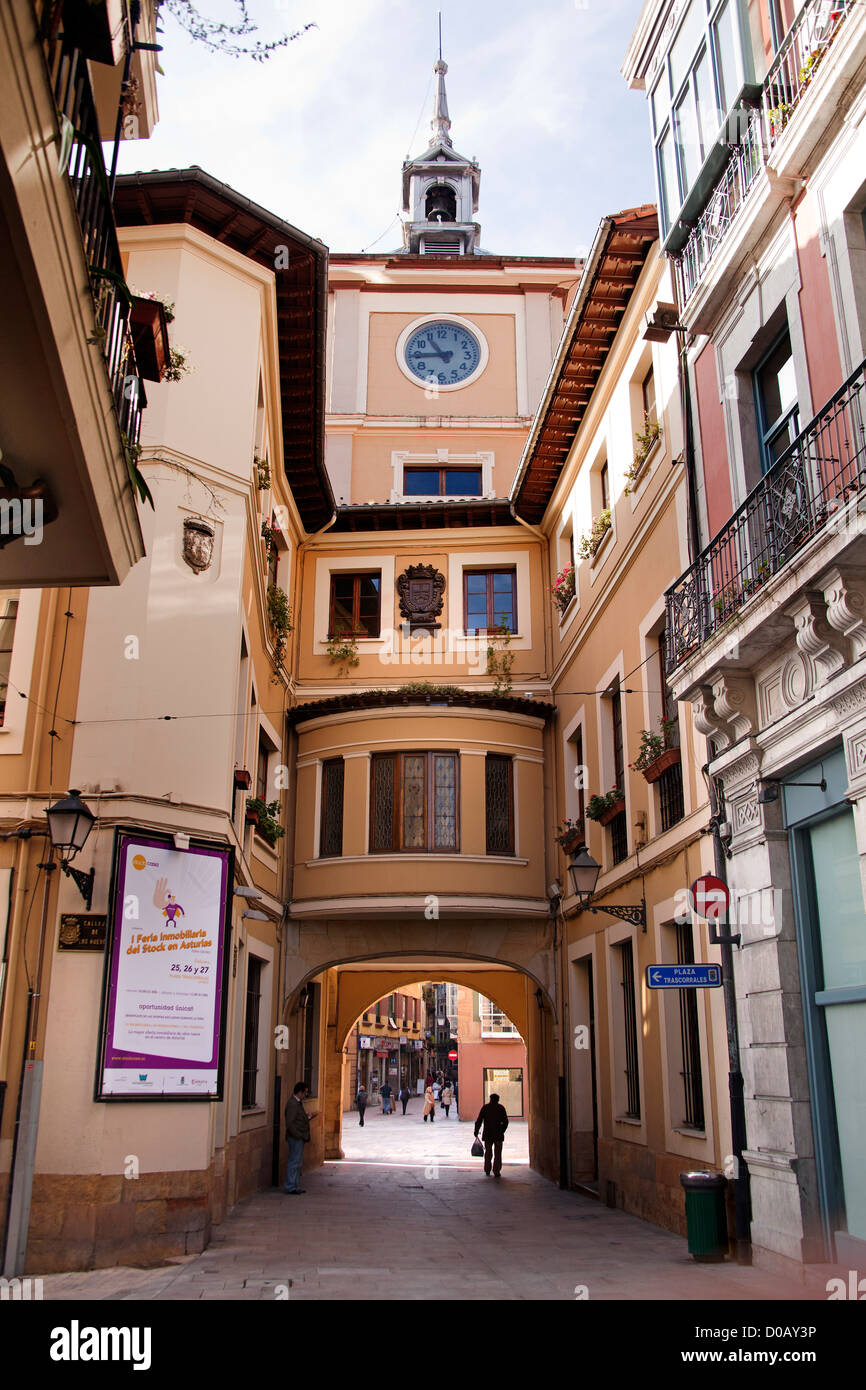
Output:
x=440 y=124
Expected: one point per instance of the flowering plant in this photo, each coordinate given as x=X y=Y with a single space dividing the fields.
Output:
x=593 y=538
x=569 y=831
x=563 y=587
x=597 y=805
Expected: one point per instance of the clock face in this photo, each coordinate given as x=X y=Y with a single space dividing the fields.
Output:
x=443 y=353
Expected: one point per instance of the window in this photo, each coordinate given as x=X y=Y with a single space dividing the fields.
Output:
x=670 y=783
x=690 y=1043
x=331 y=830
x=251 y=1032
x=648 y=395
x=8 y=614
x=776 y=402
x=310 y=1036
x=499 y=779
x=629 y=1035
x=495 y=1023
x=578 y=773
x=413 y=802
x=507 y=1084
x=442 y=482
x=618 y=826
x=354 y=604
x=264 y=754
x=490 y=600
x=273 y=556
x=701 y=77
x=604 y=479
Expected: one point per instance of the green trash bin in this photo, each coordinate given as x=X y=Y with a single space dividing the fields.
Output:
x=706 y=1217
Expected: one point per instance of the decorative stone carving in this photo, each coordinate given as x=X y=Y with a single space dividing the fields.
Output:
x=746 y=813
x=845 y=596
x=816 y=639
x=421 y=588
x=198 y=542
x=850 y=701
x=734 y=698
x=705 y=719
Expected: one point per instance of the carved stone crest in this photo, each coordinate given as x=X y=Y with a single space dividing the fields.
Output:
x=421 y=588
x=198 y=539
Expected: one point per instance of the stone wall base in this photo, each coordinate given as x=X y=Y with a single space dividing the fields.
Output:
x=645 y=1184
x=93 y=1221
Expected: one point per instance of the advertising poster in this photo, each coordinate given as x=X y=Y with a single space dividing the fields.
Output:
x=163 y=1013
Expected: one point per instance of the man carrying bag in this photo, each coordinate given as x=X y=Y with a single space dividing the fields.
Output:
x=494 y=1118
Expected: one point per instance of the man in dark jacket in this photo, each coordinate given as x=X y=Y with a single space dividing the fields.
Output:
x=298 y=1134
x=361 y=1102
x=494 y=1118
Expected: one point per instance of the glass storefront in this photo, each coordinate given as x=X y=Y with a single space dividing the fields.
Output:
x=507 y=1083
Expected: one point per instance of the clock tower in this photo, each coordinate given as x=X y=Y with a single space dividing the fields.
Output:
x=440 y=190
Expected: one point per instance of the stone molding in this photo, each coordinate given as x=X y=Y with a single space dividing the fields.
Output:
x=816 y=638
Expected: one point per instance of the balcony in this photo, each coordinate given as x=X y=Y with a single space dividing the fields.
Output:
x=818 y=484
x=735 y=215
x=71 y=394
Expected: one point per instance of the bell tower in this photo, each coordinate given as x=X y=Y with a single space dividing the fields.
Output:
x=440 y=190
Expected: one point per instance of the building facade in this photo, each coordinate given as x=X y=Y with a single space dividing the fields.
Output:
x=765 y=232
x=491 y=1056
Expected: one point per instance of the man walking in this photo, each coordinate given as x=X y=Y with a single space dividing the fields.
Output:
x=361 y=1102
x=494 y=1118
x=386 y=1093
x=298 y=1134
x=405 y=1096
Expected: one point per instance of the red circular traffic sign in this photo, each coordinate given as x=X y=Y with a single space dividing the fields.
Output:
x=709 y=897
x=452 y=1056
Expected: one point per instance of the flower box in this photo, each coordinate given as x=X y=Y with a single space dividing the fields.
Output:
x=612 y=812
x=242 y=777
x=570 y=844
x=150 y=335
x=669 y=758
x=252 y=818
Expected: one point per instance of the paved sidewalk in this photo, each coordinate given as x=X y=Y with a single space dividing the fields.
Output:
x=409 y=1210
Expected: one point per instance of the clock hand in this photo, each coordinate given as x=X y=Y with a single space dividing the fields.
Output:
x=446 y=356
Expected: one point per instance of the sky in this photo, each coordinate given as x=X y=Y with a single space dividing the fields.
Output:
x=318 y=133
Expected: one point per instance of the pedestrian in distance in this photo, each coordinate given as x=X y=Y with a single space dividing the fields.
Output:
x=436 y=1088
x=298 y=1134
x=429 y=1105
x=385 y=1092
x=494 y=1118
x=405 y=1096
x=446 y=1098
x=361 y=1102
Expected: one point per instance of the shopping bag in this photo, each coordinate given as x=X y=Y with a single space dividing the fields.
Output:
x=477 y=1148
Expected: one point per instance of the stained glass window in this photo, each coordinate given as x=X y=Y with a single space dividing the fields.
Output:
x=424 y=788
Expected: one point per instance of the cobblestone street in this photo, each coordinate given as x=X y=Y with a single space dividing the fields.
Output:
x=408 y=1200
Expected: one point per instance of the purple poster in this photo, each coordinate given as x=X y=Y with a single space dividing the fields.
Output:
x=165 y=981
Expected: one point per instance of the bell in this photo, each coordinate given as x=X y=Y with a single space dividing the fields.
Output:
x=441 y=204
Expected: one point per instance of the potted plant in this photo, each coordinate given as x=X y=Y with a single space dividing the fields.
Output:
x=242 y=778
x=569 y=835
x=604 y=808
x=590 y=542
x=263 y=473
x=563 y=588
x=657 y=751
x=269 y=536
x=148 y=322
x=264 y=815
x=646 y=440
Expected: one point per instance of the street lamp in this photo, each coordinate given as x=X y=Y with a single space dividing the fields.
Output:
x=70 y=822
x=584 y=872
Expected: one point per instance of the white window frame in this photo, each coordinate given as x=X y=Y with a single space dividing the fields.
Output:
x=441 y=458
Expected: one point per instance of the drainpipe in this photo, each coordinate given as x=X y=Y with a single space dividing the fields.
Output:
x=726 y=942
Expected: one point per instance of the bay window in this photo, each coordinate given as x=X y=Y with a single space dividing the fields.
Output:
x=414 y=802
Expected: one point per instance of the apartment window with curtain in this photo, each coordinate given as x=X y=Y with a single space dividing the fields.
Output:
x=499 y=803
x=414 y=800
x=331 y=828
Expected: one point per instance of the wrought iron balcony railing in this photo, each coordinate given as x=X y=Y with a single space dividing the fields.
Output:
x=806 y=489
x=798 y=59
x=792 y=70
x=81 y=157
x=733 y=188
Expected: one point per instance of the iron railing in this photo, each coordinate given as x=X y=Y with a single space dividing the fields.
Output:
x=806 y=489
x=798 y=59
x=733 y=188
x=81 y=156
x=792 y=70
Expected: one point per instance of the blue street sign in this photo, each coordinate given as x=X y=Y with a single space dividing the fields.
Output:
x=683 y=976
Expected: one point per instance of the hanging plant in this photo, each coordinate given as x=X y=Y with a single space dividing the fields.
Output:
x=499 y=659
x=280 y=619
x=264 y=815
x=563 y=588
x=263 y=472
x=342 y=648
x=269 y=536
x=589 y=543
x=646 y=440
x=179 y=366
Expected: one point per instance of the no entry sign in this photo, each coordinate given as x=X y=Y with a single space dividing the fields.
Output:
x=452 y=1056
x=709 y=897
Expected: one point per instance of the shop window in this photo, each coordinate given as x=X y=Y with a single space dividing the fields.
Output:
x=499 y=802
x=414 y=802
